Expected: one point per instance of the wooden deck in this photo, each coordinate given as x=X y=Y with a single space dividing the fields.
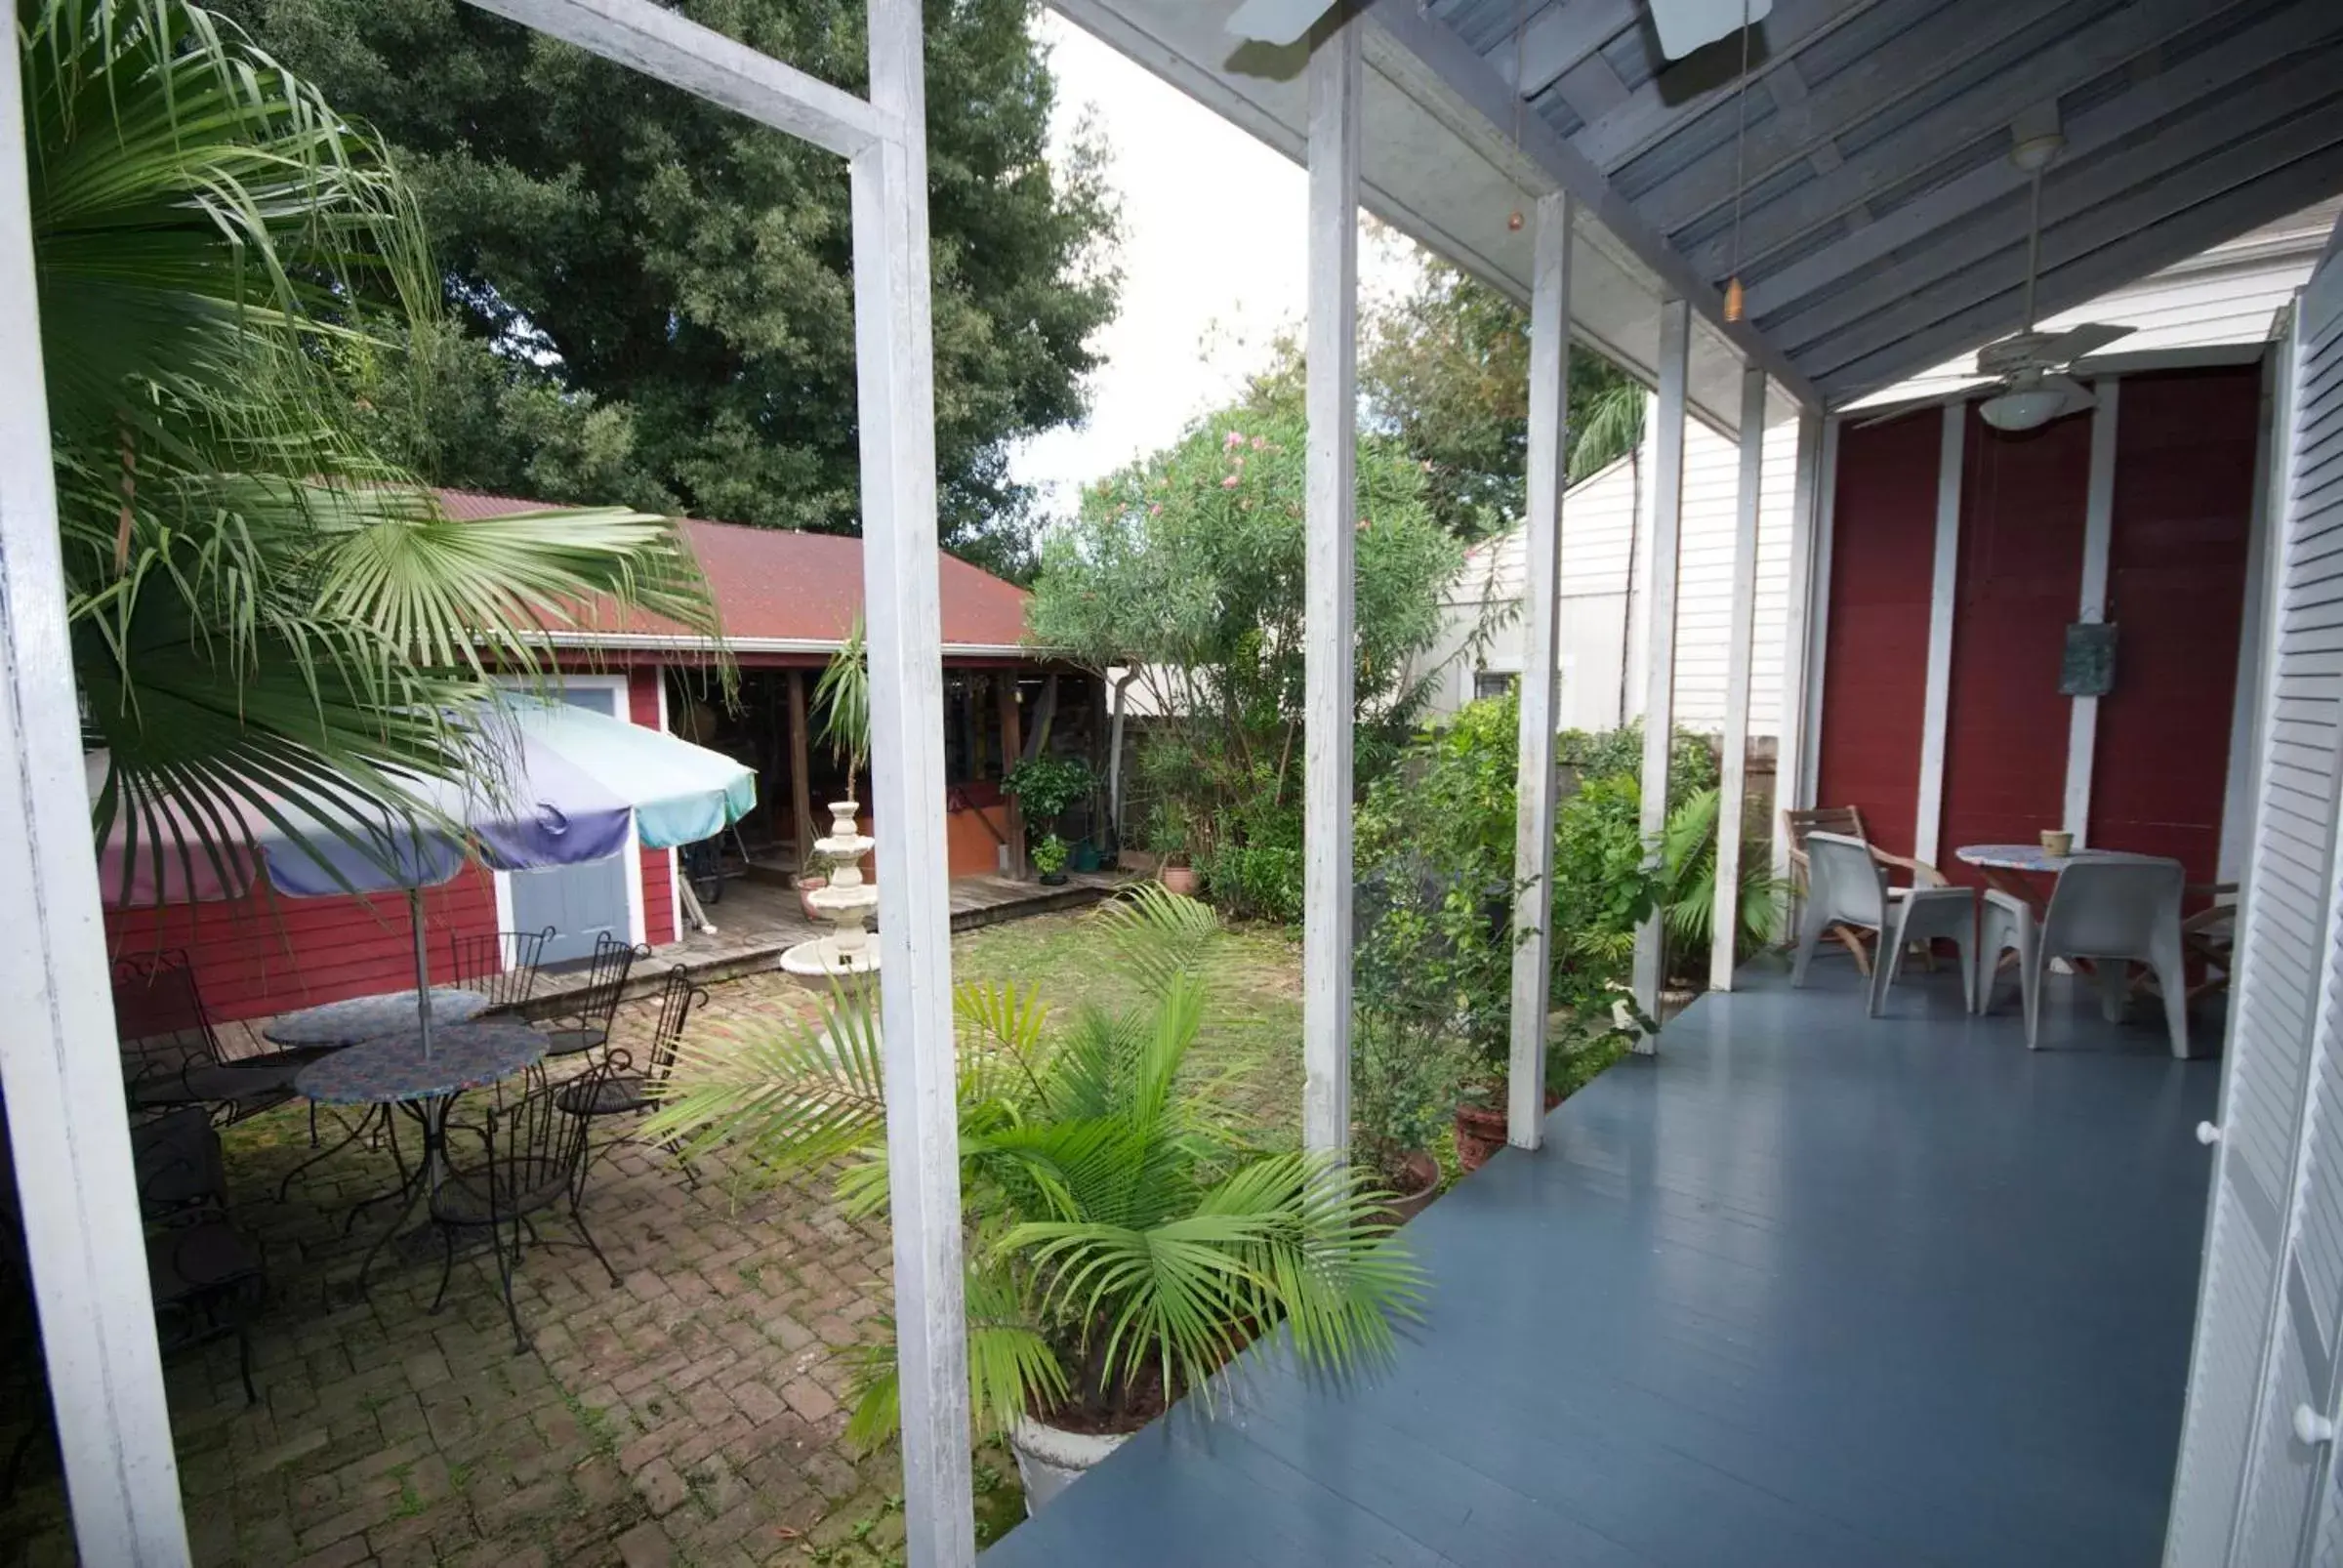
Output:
x=1803 y=1289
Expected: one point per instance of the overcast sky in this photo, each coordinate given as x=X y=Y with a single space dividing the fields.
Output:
x=1213 y=260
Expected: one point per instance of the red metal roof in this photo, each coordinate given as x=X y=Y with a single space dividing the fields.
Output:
x=781 y=584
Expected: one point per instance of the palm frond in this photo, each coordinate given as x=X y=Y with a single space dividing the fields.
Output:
x=1011 y=1368
x=843 y=695
x=1159 y=934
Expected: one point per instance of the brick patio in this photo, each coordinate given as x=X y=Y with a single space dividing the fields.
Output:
x=693 y=1416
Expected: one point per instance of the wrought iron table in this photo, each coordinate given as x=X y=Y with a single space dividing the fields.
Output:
x=371 y=1017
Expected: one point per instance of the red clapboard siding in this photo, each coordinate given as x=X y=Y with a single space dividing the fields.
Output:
x=267 y=953
x=643 y=682
x=1876 y=662
x=2022 y=504
x=2176 y=590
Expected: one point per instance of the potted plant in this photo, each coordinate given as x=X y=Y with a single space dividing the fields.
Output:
x=1122 y=1247
x=1167 y=840
x=1049 y=859
x=1045 y=787
x=1403 y=1086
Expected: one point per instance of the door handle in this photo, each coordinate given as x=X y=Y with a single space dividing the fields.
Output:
x=2313 y=1428
x=2207 y=1134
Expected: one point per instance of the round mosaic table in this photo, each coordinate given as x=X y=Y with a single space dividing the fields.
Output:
x=392 y=1070
x=371 y=1017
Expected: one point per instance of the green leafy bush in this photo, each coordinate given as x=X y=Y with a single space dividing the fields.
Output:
x=1403 y=1078
x=1045 y=786
x=1049 y=855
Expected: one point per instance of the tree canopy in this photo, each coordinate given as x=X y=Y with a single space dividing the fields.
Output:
x=655 y=294
x=1447 y=371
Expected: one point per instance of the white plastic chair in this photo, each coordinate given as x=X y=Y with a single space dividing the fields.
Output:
x=1847 y=886
x=2008 y=926
x=2116 y=909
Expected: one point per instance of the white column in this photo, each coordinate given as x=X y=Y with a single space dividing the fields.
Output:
x=1935 y=698
x=1818 y=608
x=1331 y=401
x=1791 y=777
x=894 y=374
x=2242 y=787
x=1660 y=625
x=1540 y=684
x=1733 y=787
x=68 y=1123
x=2098 y=533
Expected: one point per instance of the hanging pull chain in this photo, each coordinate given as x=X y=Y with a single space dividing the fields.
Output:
x=1735 y=305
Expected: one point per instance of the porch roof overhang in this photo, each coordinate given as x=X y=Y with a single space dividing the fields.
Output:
x=1883 y=227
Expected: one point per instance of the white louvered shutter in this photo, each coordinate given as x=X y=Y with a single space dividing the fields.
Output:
x=2273 y=1277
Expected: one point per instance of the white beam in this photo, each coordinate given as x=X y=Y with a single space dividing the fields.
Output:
x=1936 y=699
x=2161 y=221
x=2098 y=534
x=1733 y=791
x=895 y=378
x=1540 y=654
x=671 y=48
x=2271 y=463
x=62 y=1070
x=1427 y=53
x=1337 y=77
x=1557 y=39
x=1791 y=779
x=1818 y=637
x=1660 y=631
x=2200 y=77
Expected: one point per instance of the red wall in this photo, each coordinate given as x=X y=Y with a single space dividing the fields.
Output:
x=267 y=953
x=2022 y=505
x=2183 y=501
x=2176 y=586
x=1876 y=662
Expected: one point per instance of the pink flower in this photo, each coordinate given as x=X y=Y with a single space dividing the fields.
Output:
x=1236 y=462
x=1260 y=443
x=1232 y=440
x=1156 y=511
x=1229 y=483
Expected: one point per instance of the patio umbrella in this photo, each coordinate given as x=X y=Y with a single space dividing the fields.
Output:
x=554 y=785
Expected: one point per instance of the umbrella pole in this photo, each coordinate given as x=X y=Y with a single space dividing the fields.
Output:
x=423 y=969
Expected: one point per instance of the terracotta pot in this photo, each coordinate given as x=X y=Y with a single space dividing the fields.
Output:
x=1180 y=880
x=807 y=884
x=1415 y=1193
x=1481 y=1131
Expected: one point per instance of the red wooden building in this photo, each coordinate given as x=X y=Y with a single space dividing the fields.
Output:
x=785 y=600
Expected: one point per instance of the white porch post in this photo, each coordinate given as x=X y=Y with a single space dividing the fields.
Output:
x=1791 y=777
x=68 y=1123
x=1541 y=649
x=1818 y=607
x=1734 y=786
x=1928 y=817
x=2098 y=536
x=1660 y=626
x=894 y=374
x=1336 y=83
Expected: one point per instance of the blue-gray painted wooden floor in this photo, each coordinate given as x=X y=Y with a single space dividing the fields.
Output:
x=1803 y=1289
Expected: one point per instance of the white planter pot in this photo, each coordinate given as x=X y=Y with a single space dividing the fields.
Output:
x=1051 y=1460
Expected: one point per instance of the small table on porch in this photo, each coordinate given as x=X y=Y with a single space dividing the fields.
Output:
x=370 y=1018
x=1996 y=859
x=391 y=1071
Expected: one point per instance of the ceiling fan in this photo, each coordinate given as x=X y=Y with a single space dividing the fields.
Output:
x=1683 y=26
x=2030 y=365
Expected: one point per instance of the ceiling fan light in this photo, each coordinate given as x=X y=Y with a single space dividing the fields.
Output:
x=2029 y=408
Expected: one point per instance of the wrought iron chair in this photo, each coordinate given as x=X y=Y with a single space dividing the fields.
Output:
x=625 y=1091
x=532 y=1165
x=1849 y=889
x=156 y=997
x=584 y=1022
x=206 y=1276
x=502 y=966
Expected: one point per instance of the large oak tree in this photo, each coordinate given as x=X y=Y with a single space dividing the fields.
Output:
x=655 y=293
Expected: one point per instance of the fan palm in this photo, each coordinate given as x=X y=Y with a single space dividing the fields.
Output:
x=1122 y=1246
x=1687 y=885
x=263 y=614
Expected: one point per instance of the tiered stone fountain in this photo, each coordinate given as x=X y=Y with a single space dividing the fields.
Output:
x=844 y=902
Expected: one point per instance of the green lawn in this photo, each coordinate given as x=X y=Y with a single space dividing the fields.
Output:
x=1252 y=1037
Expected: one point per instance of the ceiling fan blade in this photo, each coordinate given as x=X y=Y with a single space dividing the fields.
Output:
x=1684 y=26
x=2078 y=397
x=1902 y=409
x=2087 y=338
x=1277 y=21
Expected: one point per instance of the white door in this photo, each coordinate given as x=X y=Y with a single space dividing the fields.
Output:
x=2248 y=1488
x=579 y=902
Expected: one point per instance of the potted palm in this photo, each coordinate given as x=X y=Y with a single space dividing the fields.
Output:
x=844 y=695
x=1122 y=1247
x=1167 y=840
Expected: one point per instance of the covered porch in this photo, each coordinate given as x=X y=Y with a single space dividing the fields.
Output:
x=1802 y=1288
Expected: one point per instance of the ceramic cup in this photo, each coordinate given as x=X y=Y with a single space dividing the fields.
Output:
x=2058 y=844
